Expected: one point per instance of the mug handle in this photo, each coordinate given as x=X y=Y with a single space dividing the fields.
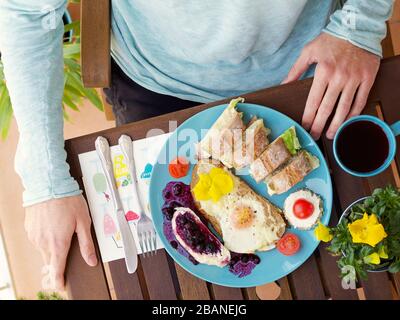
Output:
x=396 y=128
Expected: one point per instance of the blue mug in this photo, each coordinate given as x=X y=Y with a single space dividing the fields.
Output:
x=391 y=133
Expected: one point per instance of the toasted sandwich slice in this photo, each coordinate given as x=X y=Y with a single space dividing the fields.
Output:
x=292 y=173
x=255 y=141
x=219 y=141
x=275 y=155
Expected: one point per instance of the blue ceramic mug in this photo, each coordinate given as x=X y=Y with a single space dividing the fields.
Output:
x=390 y=131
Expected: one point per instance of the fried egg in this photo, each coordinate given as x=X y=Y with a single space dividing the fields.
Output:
x=246 y=221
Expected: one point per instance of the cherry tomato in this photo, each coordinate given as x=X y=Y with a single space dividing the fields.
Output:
x=179 y=167
x=289 y=244
x=302 y=208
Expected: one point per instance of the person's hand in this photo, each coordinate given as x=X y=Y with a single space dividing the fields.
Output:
x=50 y=226
x=342 y=70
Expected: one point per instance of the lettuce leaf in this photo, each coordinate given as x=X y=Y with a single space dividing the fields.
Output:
x=291 y=141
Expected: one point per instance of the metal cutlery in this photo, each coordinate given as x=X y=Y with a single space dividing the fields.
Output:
x=145 y=229
x=130 y=250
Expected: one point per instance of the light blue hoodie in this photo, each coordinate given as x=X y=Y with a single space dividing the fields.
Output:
x=195 y=50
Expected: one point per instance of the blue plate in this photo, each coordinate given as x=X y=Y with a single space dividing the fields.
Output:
x=273 y=265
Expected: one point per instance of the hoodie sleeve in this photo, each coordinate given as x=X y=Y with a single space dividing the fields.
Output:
x=362 y=22
x=31 y=48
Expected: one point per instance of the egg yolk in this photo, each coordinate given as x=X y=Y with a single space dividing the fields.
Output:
x=213 y=185
x=242 y=217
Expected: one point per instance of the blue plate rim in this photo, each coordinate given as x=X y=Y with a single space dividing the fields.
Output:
x=171 y=251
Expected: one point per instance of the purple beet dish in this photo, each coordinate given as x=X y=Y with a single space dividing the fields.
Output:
x=188 y=233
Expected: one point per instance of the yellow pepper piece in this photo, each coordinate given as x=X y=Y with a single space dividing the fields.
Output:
x=323 y=233
x=367 y=230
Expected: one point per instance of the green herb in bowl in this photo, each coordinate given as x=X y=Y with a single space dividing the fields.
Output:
x=367 y=237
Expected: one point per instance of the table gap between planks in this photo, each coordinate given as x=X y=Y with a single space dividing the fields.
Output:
x=158 y=277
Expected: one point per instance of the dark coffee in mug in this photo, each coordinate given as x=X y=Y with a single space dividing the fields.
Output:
x=362 y=146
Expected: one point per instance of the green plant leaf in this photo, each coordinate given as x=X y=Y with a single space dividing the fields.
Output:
x=41 y=295
x=72 y=65
x=65 y=114
x=395 y=266
x=89 y=93
x=72 y=50
x=76 y=94
x=74 y=26
x=68 y=101
x=6 y=112
x=1 y=72
x=94 y=98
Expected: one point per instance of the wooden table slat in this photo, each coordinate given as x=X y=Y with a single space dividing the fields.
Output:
x=330 y=271
x=192 y=288
x=306 y=282
x=127 y=287
x=157 y=274
x=378 y=286
x=226 y=293
x=84 y=282
x=250 y=293
x=286 y=293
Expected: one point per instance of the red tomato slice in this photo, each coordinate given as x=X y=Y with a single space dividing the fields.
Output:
x=289 y=244
x=179 y=167
x=303 y=208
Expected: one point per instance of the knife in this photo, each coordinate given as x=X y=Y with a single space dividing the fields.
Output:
x=130 y=250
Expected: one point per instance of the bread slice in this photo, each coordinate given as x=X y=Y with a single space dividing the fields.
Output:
x=292 y=173
x=275 y=155
x=274 y=223
x=218 y=142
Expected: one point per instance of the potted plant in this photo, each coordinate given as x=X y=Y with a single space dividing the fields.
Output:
x=367 y=237
x=74 y=91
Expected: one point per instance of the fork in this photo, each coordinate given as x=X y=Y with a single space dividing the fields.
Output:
x=145 y=229
x=147 y=235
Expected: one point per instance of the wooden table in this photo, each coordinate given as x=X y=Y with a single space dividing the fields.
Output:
x=159 y=277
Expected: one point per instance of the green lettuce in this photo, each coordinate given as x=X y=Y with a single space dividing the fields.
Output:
x=291 y=141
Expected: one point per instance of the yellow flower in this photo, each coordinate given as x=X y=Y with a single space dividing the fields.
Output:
x=213 y=185
x=367 y=230
x=322 y=233
x=382 y=253
x=373 y=258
